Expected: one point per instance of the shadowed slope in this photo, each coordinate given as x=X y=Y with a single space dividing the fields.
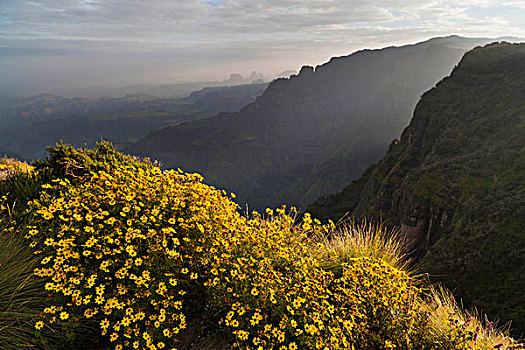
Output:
x=313 y=133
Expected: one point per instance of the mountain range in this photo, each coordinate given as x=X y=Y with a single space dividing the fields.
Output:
x=173 y=90
x=313 y=133
x=28 y=125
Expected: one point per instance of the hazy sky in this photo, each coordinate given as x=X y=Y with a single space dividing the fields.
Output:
x=116 y=42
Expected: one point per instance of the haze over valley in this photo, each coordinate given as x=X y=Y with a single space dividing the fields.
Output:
x=30 y=124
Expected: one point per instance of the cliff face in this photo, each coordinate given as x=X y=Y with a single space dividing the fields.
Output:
x=455 y=182
x=311 y=134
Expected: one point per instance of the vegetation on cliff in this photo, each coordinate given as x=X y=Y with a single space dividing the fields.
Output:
x=455 y=182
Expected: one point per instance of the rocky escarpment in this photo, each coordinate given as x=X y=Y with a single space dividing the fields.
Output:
x=455 y=182
x=311 y=134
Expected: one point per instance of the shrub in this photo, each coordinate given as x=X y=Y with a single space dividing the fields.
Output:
x=264 y=285
x=126 y=248
x=274 y=294
x=141 y=252
x=23 y=183
x=76 y=165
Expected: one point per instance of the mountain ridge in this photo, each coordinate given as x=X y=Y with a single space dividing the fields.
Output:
x=312 y=133
x=29 y=125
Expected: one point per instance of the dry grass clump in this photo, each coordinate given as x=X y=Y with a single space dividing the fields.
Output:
x=451 y=327
x=10 y=166
x=352 y=240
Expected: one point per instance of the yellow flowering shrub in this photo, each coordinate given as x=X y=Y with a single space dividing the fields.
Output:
x=140 y=250
x=275 y=295
x=10 y=166
x=126 y=248
x=75 y=164
x=145 y=254
x=381 y=302
x=266 y=285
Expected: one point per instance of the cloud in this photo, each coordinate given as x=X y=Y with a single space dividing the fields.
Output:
x=270 y=35
x=156 y=20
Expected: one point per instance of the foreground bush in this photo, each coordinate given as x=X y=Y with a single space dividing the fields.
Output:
x=76 y=165
x=141 y=252
x=22 y=183
x=154 y=260
x=126 y=248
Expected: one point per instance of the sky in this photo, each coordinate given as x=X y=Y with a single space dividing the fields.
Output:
x=80 y=43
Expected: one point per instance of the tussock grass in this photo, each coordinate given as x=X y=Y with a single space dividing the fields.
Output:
x=356 y=240
x=451 y=327
x=22 y=295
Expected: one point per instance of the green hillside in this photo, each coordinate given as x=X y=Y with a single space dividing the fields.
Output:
x=455 y=182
